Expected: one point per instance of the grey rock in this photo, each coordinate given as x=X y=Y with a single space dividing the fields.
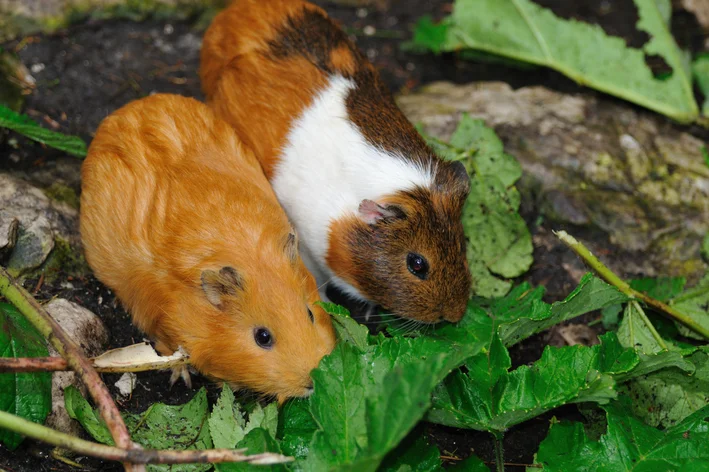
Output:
x=594 y=163
x=40 y=221
x=90 y=334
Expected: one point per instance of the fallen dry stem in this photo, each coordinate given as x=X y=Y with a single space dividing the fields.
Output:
x=54 y=333
x=606 y=274
x=135 y=456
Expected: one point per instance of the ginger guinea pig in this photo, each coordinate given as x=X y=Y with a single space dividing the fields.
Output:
x=179 y=220
x=378 y=213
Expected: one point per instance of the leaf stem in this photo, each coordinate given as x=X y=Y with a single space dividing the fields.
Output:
x=135 y=456
x=606 y=274
x=499 y=452
x=643 y=316
x=68 y=349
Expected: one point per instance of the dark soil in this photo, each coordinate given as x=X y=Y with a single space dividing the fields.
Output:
x=91 y=69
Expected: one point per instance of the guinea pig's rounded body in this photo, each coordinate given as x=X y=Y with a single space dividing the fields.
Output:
x=179 y=220
x=377 y=212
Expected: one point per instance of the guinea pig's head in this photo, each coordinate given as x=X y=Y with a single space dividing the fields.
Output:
x=268 y=333
x=407 y=251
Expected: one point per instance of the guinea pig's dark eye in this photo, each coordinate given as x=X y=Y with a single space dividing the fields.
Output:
x=263 y=338
x=310 y=315
x=417 y=265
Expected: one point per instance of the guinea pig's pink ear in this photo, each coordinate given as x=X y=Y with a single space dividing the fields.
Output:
x=218 y=285
x=371 y=212
x=291 y=247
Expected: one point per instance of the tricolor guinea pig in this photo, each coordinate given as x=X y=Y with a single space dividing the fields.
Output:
x=378 y=213
x=179 y=220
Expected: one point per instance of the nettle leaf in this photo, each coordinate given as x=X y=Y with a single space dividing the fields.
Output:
x=628 y=444
x=366 y=401
x=159 y=427
x=694 y=303
x=226 y=423
x=256 y=441
x=524 y=31
x=590 y=295
x=668 y=396
x=346 y=327
x=28 y=395
x=499 y=243
x=296 y=428
x=24 y=125
x=490 y=398
x=635 y=331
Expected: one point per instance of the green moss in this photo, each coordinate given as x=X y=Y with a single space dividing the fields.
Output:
x=63 y=258
x=62 y=193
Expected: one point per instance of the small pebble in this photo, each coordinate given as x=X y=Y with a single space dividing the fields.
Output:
x=369 y=30
x=36 y=68
x=168 y=29
x=362 y=13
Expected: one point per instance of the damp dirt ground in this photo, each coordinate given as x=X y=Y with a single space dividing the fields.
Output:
x=92 y=68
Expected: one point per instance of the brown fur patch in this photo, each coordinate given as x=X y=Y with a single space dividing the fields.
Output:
x=169 y=192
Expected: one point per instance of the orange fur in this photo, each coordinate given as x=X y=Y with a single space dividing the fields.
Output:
x=169 y=192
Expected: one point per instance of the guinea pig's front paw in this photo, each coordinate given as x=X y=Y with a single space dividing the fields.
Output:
x=183 y=373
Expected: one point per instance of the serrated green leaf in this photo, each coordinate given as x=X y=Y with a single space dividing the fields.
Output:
x=226 y=422
x=590 y=295
x=524 y=31
x=668 y=396
x=256 y=441
x=182 y=427
x=264 y=418
x=366 y=401
x=24 y=125
x=471 y=464
x=629 y=444
x=346 y=327
x=493 y=399
x=28 y=395
x=428 y=36
x=499 y=243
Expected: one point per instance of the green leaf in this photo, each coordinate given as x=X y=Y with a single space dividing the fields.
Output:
x=489 y=398
x=499 y=243
x=660 y=288
x=590 y=295
x=668 y=396
x=79 y=409
x=226 y=423
x=636 y=331
x=296 y=428
x=524 y=31
x=257 y=440
x=28 y=395
x=366 y=401
x=694 y=303
x=24 y=125
x=629 y=444
x=471 y=464
x=700 y=70
x=428 y=36
x=705 y=243
x=414 y=454
x=182 y=427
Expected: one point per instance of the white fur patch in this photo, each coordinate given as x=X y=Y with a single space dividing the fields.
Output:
x=327 y=168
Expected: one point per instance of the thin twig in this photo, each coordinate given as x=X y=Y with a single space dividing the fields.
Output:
x=135 y=456
x=68 y=349
x=606 y=274
x=58 y=364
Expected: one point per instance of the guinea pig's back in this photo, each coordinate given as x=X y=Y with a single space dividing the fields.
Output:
x=156 y=176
